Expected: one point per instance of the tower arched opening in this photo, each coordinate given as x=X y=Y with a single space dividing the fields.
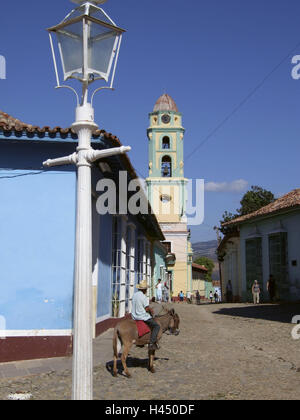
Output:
x=166 y=167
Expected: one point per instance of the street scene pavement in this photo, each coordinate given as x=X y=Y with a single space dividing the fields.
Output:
x=223 y=352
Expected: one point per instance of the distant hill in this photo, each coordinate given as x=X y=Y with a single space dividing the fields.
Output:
x=207 y=249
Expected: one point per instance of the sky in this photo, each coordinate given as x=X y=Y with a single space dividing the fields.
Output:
x=226 y=63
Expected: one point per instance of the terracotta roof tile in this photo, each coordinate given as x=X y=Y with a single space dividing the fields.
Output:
x=9 y=123
x=287 y=201
x=200 y=267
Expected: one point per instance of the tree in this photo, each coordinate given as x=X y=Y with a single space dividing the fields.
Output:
x=208 y=263
x=252 y=201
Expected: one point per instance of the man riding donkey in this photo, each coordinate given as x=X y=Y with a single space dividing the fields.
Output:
x=142 y=329
x=141 y=311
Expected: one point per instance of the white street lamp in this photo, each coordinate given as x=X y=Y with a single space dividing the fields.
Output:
x=89 y=43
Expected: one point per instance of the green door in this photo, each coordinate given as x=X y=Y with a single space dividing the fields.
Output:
x=279 y=264
x=253 y=265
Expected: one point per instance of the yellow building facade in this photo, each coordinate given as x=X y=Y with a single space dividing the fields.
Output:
x=166 y=187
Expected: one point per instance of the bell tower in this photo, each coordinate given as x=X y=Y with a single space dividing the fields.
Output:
x=166 y=182
x=166 y=187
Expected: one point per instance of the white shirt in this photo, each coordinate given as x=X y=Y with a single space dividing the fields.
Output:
x=139 y=304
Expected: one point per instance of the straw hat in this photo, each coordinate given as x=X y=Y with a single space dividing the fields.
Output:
x=143 y=285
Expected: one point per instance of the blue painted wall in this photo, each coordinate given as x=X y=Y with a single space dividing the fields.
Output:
x=37 y=234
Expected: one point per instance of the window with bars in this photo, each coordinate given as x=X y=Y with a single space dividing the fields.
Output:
x=148 y=264
x=118 y=268
x=144 y=261
x=140 y=260
x=130 y=267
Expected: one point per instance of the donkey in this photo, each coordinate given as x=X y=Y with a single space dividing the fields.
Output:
x=126 y=334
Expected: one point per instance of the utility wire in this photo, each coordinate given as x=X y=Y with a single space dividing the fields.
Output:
x=21 y=175
x=42 y=172
x=242 y=103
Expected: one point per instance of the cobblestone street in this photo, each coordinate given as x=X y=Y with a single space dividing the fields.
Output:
x=223 y=352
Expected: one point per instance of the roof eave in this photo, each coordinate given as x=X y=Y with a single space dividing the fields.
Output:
x=261 y=217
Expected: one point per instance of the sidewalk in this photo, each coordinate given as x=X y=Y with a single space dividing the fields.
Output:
x=103 y=353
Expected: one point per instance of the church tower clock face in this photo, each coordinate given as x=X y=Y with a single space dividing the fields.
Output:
x=166 y=119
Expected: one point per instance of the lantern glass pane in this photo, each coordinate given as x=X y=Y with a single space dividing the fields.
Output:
x=71 y=46
x=101 y=49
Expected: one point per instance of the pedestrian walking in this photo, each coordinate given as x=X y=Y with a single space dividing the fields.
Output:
x=188 y=297
x=256 y=292
x=271 y=287
x=211 y=296
x=166 y=293
x=181 y=296
x=159 y=291
x=198 y=297
x=216 y=296
x=172 y=296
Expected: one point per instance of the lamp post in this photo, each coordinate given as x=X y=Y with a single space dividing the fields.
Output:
x=88 y=42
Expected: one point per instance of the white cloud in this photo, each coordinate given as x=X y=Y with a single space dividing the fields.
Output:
x=237 y=186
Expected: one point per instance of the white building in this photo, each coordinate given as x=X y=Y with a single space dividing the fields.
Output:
x=266 y=242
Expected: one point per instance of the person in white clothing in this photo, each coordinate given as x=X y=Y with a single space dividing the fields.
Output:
x=159 y=291
x=141 y=311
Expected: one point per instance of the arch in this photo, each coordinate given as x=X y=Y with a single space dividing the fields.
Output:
x=166 y=167
x=166 y=144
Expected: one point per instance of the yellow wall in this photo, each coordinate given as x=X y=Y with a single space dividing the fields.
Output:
x=170 y=211
x=179 y=278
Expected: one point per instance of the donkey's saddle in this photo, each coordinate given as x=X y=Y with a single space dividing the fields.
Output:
x=143 y=328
